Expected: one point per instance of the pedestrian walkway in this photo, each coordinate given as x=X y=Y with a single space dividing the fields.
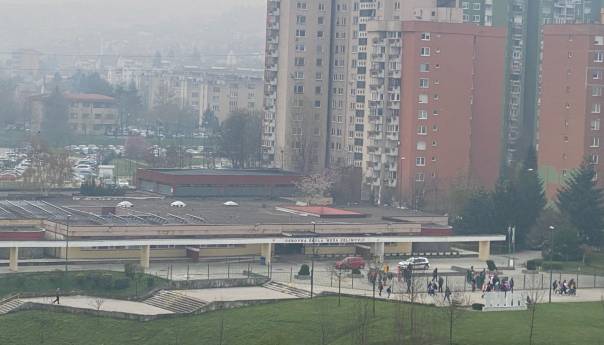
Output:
x=103 y=304
x=175 y=302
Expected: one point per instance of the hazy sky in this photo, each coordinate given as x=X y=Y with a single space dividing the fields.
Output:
x=67 y=25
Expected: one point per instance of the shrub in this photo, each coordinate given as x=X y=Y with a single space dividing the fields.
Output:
x=94 y=278
x=356 y=271
x=81 y=279
x=121 y=284
x=130 y=269
x=304 y=270
x=533 y=264
x=106 y=281
x=477 y=306
x=491 y=265
x=555 y=266
x=150 y=282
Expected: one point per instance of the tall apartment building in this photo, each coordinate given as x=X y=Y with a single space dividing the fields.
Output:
x=331 y=132
x=433 y=95
x=298 y=45
x=571 y=101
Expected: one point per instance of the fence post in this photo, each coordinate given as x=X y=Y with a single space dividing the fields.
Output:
x=594 y=280
x=578 y=278
x=352 y=281
x=171 y=272
x=542 y=280
x=524 y=281
x=228 y=270
x=187 y=272
x=208 y=271
x=291 y=273
x=248 y=269
x=331 y=279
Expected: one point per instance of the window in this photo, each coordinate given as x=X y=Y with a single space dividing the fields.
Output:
x=465 y=5
x=434 y=143
x=421 y=146
x=596 y=75
x=423 y=98
x=596 y=91
x=476 y=6
x=425 y=36
x=595 y=142
x=299 y=61
x=300 y=47
x=298 y=89
x=319 y=62
x=596 y=108
x=595 y=159
x=419 y=177
x=425 y=67
x=435 y=112
x=476 y=18
x=320 y=34
x=466 y=18
x=301 y=5
x=424 y=51
x=424 y=83
x=420 y=161
x=300 y=33
x=422 y=130
x=434 y=128
x=595 y=125
x=599 y=40
x=434 y=158
x=422 y=115
x=299 y=75
x=321 y=7
x=300 y=19
x=317 y=104
x=320 y=20
x=599 y=56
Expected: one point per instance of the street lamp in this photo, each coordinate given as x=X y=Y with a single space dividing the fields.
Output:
x=400 y=187
x=551 y=258
x=312 y=260
x=67 y=242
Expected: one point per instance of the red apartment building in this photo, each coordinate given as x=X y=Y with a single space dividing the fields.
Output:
x=571 y=101
x=452 y=86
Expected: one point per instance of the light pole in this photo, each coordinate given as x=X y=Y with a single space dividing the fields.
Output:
x=400 y=187
x=67 y=243
x=312 y=260
x=551 y=258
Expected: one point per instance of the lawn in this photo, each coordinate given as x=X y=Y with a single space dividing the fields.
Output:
x=98 y=283
x=309 y=322
x=126 y=167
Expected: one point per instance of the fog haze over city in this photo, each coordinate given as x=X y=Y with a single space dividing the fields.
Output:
x=133 y=27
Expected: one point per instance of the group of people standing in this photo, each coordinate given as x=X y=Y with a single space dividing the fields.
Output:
x=436 y=286
x=565 y=287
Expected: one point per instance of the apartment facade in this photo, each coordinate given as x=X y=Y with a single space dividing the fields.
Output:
x=434 y=91
x=89 y=114
x=571 y=101
x=337 y=126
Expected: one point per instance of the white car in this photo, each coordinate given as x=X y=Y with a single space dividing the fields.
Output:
x=414 y=263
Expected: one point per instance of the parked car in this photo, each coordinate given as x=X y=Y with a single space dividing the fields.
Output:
x=414 y=263
x=350 y=263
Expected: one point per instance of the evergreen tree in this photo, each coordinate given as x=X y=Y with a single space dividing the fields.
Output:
x=477 y=215
x=581 y=201
x=529 y=197
x=54 y=127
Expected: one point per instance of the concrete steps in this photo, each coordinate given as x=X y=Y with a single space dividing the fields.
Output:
x=280 y=287
x=10 y=305
x=175 y=302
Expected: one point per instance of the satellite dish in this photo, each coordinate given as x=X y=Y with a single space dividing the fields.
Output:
x=178 y=204
x=125 y=204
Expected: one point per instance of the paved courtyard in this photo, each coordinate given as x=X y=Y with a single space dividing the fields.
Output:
x=92 y=303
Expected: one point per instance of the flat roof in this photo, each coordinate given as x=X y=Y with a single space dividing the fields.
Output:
x=223 y=172
x=157 y=210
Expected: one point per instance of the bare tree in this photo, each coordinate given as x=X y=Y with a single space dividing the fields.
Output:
x=535 y=295
x=315 y=186
x=360 y=327
x=453 y=309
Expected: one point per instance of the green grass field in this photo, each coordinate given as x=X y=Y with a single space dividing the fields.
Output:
x=318 y=321
x=85 y=282
x=126 y=167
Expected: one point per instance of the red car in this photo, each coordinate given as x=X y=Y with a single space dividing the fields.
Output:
x=350 y=263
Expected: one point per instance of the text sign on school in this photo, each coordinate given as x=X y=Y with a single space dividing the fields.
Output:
x=319 y=240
